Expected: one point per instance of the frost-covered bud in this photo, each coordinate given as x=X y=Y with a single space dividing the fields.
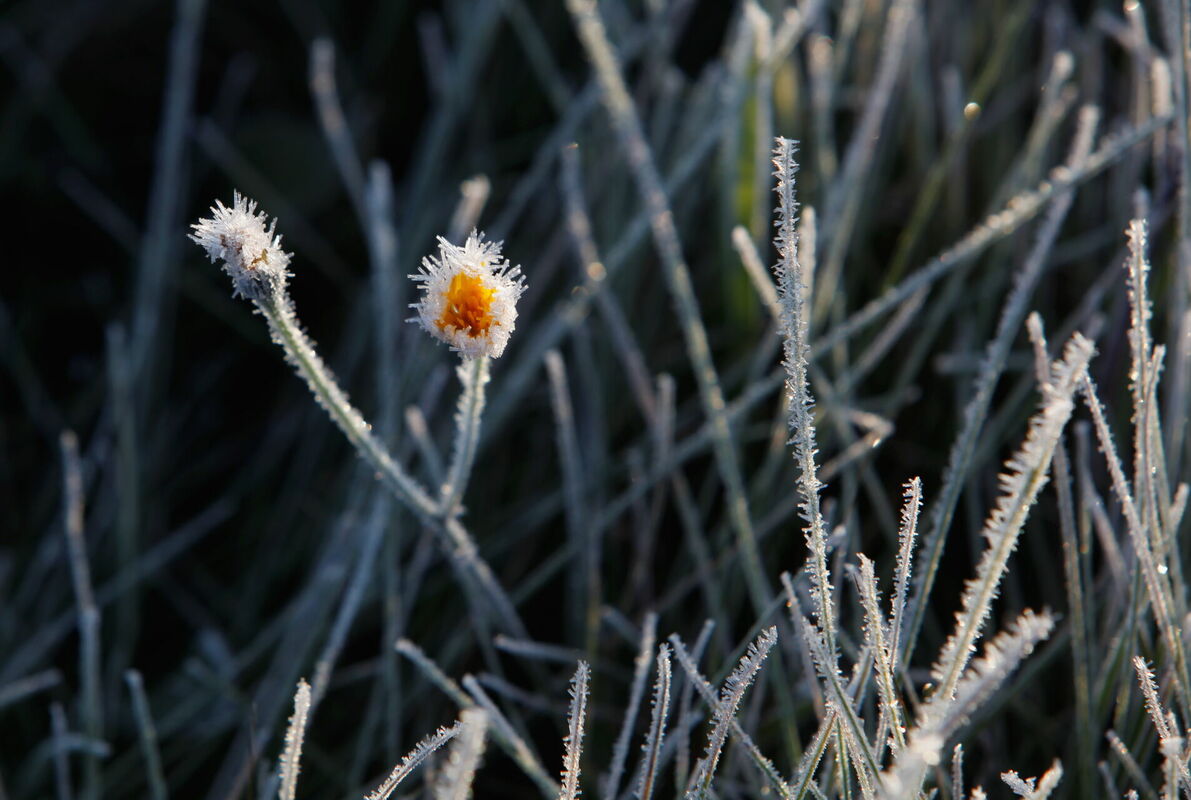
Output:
x=469 y=296
x=251 y=253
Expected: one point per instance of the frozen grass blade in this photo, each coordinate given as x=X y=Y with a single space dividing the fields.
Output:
x=701 y=685
x=1153 y=568
x=387 y=292
x=1081 y=654
x=944 y=713
x=511 y=741
x=473 y=196
x=652 y=747
x=18 y=690
x=756 y=271
x=957 y=772
x=536 y=651
x=610 y=787
x=874 y=635
x=411 y=761
x=1170 y=742
x=574 y=737
x=419 y=430
x=59 y=730
x=839 y=703
x=959 y=461
x=455 y=781
x=1027 y=473
x=148 y=735
x=619 y=105
x=1017 y=210
x=1034 y=789
x=91 y=702
x=682 y=758
x=433 y=673
x=725 y=711
x=763 y=43
x=585 y=587
x=502 y=731
x=290 y=762
x=795 y=326
x=372 y=537
x=907 y=532
x=158 y=253
x=839 y=216
x=325 y=91
x=1121 y=750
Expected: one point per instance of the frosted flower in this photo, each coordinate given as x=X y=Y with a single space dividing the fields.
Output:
x=469 y=296
x=251 y=253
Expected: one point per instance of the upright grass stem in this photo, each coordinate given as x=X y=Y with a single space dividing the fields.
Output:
x=473 y=377
x=90 y=708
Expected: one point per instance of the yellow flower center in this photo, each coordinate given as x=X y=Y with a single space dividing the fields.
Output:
x=468 y=305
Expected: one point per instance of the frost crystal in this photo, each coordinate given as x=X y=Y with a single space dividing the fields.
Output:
x=251 y=253
x=469 y=296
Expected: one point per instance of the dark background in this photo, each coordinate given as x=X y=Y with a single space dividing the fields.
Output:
x=200 y=446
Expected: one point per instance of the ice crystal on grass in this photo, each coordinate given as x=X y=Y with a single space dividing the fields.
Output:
x=574 y=737
x=469 y=296
x=411 y=761
x=291 y=757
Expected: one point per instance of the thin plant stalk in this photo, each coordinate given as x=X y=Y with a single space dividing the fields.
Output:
x=473 y=376
x=657 y=725
x=91 y=708
x=611 y=783
x=574 y=737
x=275 y=306
x=411 y=761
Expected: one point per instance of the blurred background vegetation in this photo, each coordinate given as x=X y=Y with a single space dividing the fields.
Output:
x=227 y=523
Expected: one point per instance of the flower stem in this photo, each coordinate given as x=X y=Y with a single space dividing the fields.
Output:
x=474 y=572
x=473 y=374
x=277 y=309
